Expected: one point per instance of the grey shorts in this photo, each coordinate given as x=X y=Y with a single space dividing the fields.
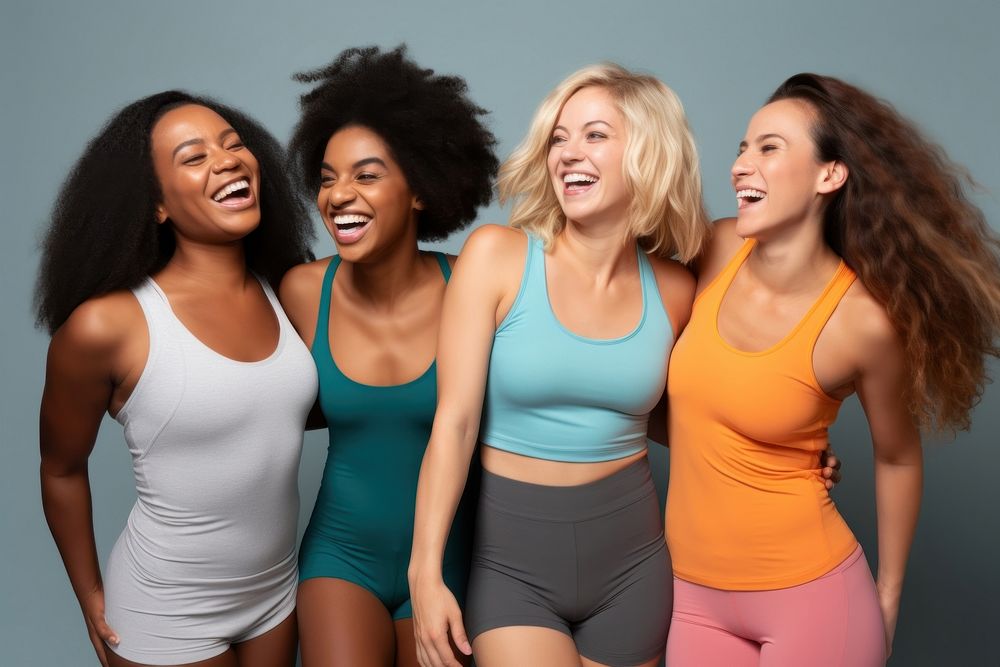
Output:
x=589 y=561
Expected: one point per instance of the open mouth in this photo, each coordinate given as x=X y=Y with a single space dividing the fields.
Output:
x=578 y=183
x=749 y=196
x=235 y=195
x=350 y=228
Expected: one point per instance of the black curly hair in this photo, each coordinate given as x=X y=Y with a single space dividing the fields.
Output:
x=104 y=236
x=432 y=128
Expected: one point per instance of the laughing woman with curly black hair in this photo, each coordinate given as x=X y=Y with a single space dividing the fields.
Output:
x=392 y=154
x=156 y=286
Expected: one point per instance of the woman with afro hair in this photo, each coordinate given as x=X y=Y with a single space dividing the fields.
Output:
x=392 y=154
x=156 y=285
x=856 y=264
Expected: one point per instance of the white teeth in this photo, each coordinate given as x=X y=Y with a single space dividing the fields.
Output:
x=579 y=178
x=230 y=189
x=750 y=192
x=350 y=219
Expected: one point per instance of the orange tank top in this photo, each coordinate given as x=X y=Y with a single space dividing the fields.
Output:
x=747 y=507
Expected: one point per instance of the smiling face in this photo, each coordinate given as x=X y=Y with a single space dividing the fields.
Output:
x=364 y=198
x=585 y=158
x=777 y=178
x=210 y=182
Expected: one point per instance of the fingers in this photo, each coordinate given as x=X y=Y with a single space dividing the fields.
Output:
x=458 y=633
x=99 y=647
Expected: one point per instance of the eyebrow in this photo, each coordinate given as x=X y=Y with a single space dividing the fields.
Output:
x=762 y=137
x=585 y=125
x=360 y=163
x=191 y=142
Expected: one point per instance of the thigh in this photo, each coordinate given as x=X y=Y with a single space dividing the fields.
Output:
x=406 y=646
x=274 y=648
x=525 y=645
x=829 y=622
x=626 y=578
x=227 y=659
x=695 y=645
x=631 y=625
x=341 y=623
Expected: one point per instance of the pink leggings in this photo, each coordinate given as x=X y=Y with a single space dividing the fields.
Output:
x=831 y=621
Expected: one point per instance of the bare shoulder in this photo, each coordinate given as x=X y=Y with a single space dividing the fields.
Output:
x=300 y=292
x=677 y=288
x=494 y=238
x=494 y=248
x=303 y=279
x=865 y=320
x=100 y=324
x=722 y=244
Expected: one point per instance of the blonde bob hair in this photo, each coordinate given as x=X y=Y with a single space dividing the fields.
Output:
x=666 y=214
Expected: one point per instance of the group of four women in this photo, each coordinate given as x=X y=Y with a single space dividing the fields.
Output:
x=488 y=441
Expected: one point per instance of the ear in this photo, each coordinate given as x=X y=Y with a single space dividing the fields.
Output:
x=161 y=214
x=418 y=203
x=833 y=177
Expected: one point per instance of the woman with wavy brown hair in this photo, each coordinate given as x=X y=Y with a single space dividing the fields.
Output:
x=856 y=264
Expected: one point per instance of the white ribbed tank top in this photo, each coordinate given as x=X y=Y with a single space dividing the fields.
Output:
x=215 y=447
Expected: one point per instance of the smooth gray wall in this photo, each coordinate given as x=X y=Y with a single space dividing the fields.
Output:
x=66 y=66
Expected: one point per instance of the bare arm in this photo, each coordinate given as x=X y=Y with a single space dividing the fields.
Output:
x=79 y=383
x=468 y=322
x=676 y=286
x=299 y=294
x=898 y=466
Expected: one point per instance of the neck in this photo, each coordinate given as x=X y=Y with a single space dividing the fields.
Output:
x=600 y=251
x=381 y=281
x=793 y=260
x=215 y=267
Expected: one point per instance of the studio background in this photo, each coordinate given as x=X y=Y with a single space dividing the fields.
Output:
x=66 y=66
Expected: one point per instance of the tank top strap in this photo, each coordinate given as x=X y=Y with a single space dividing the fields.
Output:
x=827 y=302
x=321 y=338
x=442 y=260
x=720 y=284
x=650 y=288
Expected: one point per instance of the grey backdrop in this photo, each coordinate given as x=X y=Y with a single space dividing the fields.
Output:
x=66 y=66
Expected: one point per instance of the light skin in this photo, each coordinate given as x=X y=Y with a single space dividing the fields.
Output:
x=387 y=298
x=97 y=356
x=858 y=351
x=592 y=277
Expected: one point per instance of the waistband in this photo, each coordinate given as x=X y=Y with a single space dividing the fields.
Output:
x=629 y=485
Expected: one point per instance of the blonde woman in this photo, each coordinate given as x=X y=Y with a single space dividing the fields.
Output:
x=552 y=353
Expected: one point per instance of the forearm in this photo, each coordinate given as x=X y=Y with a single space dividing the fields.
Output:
x=898 y=489
x=66 y=502
x=443 y=475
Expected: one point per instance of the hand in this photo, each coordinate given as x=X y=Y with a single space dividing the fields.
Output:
x=97 y=627
x=831 y=468
x=435 y=615
x=889 y=602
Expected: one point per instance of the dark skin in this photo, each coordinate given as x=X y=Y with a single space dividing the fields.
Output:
x=385 y=309
x=96 y=358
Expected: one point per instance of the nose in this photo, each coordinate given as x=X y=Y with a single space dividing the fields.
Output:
x=224 y=160
x=742 y=166
x=341 y=193
x=570 y=152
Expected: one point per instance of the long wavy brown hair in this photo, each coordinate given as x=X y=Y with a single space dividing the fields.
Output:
x=904 y=223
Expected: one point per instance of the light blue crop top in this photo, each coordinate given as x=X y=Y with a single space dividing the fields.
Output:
x=552 y=394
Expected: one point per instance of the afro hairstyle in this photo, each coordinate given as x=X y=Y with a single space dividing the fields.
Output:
x=432 y=128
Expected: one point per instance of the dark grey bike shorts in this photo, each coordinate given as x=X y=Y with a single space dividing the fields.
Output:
x=589 y=561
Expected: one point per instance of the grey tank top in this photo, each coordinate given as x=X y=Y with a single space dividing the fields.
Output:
x=215 y=447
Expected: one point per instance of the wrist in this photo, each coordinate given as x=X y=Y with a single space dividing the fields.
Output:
x=889 y=589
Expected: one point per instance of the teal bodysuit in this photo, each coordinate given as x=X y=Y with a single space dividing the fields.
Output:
x=361 y=528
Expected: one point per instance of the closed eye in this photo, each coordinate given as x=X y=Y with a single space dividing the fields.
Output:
x=194 y=159
x=592 y=136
